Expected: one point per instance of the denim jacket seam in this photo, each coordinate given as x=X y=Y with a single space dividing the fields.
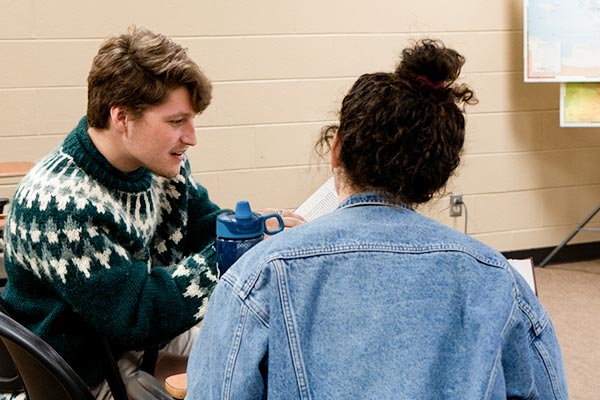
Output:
x=490 y=386
x=521 y=308
x=538 y=322
x=510 y=321
x=549 y=366
x=243 y=290
x=250 y=282
x=292 y=331
x=243 y=296
x=317 y=251
x=233 y=354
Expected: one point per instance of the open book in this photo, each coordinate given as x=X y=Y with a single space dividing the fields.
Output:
x=324 y=200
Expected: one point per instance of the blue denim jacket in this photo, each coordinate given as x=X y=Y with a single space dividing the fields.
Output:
x=375 y=301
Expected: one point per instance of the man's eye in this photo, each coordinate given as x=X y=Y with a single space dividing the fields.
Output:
x=177 y=121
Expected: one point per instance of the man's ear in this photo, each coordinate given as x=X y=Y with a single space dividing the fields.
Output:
x=118 y=118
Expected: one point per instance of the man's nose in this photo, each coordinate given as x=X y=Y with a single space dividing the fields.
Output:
x=189 y=134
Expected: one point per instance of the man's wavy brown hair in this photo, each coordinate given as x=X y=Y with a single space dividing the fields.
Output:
x=138 y=70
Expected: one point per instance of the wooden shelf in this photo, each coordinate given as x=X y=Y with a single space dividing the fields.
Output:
x=10 y=169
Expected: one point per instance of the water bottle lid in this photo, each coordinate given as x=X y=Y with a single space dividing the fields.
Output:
x=242 y=224
x=242 y=210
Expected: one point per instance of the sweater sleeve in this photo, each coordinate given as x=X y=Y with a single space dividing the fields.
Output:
x=134 y=304
x=136 y=283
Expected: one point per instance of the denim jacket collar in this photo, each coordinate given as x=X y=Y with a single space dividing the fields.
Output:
x=373 y=198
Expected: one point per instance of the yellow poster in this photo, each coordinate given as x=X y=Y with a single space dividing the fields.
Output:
x=580 y=104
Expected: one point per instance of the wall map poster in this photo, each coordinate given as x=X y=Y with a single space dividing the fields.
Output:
x=562 y=40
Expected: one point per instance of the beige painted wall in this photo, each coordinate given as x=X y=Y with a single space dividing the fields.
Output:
x=280 y=69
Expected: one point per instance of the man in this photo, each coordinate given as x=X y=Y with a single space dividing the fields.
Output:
x=110 y=233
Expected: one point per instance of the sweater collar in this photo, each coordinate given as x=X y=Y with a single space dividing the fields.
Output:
x=79 y=145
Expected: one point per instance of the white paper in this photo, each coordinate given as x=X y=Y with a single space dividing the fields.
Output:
x=525 y=268
x=324 y=200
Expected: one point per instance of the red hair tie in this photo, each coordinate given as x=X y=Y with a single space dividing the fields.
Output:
x=435 y=85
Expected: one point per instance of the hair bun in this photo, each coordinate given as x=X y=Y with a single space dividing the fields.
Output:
x=430 y=63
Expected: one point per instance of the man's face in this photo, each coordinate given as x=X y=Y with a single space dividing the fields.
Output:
x=158 y=140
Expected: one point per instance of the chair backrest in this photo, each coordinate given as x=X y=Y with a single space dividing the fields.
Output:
x=139 y=386
x=3 y=202
x=9 y=377
x=45 y=374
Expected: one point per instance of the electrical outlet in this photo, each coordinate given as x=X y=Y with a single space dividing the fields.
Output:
x=456 y=203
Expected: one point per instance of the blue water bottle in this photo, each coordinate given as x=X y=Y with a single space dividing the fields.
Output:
x=237 y=232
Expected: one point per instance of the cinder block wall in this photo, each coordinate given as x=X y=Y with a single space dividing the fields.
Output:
x=280 y=70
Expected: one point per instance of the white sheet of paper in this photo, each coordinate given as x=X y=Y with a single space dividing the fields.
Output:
x=525 y=267
x=324 y=200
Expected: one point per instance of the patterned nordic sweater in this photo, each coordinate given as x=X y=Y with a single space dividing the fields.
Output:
x=88 y=247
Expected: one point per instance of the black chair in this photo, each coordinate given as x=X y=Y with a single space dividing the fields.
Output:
x=3 y=202
x=9 y=377
x=28 y=363
x=44 y=373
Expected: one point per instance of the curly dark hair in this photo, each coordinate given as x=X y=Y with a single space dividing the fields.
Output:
x=403 y=132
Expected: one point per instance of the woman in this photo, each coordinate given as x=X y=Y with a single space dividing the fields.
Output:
x=374 y=300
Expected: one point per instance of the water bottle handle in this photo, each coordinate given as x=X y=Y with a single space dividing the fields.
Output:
x=279 y=219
